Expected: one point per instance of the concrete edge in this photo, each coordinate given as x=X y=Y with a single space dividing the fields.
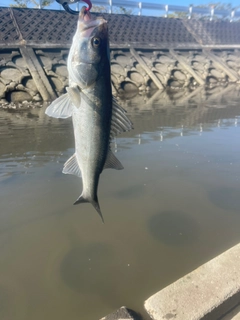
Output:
x=208 y=292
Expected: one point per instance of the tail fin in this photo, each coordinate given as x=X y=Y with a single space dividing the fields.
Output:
x=94 y=202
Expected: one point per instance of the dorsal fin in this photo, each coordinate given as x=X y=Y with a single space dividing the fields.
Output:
x=71 y=166
x=120 y=122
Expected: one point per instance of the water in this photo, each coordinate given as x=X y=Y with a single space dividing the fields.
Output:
x=174 y=206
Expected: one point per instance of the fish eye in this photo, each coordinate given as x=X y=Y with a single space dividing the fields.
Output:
x=96 y=42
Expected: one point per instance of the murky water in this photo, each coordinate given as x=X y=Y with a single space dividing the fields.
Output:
x=174 y=206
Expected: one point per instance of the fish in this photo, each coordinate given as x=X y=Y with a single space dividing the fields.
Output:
x=96 y=115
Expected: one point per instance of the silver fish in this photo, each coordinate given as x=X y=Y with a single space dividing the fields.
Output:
x=96 y=116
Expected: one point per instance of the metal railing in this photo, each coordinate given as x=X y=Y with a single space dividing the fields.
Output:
x=163 y=8
x=190 y=10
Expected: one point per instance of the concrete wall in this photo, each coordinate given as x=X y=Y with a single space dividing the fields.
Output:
x=146 y=53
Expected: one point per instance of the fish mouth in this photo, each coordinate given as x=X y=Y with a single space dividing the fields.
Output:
x=86 y=22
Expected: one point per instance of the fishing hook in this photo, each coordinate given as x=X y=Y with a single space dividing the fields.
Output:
x=66 y=7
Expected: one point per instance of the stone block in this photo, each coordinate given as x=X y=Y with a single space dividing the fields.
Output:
x=208 y=292
x=122 y=314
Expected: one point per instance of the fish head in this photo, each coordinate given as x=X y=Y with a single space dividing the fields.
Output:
x=89 y=54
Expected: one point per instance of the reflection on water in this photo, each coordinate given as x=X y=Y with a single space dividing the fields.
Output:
x=173 y=207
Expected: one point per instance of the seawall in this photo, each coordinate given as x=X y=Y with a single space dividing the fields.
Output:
x=147 y=53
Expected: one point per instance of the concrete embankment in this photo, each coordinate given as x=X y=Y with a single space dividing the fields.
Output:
x=146 y=53
x=210 y=292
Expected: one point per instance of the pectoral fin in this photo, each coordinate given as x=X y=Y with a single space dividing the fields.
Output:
x=112 y=162
x=60 y=108
x=74 y=96
x=71 y=166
